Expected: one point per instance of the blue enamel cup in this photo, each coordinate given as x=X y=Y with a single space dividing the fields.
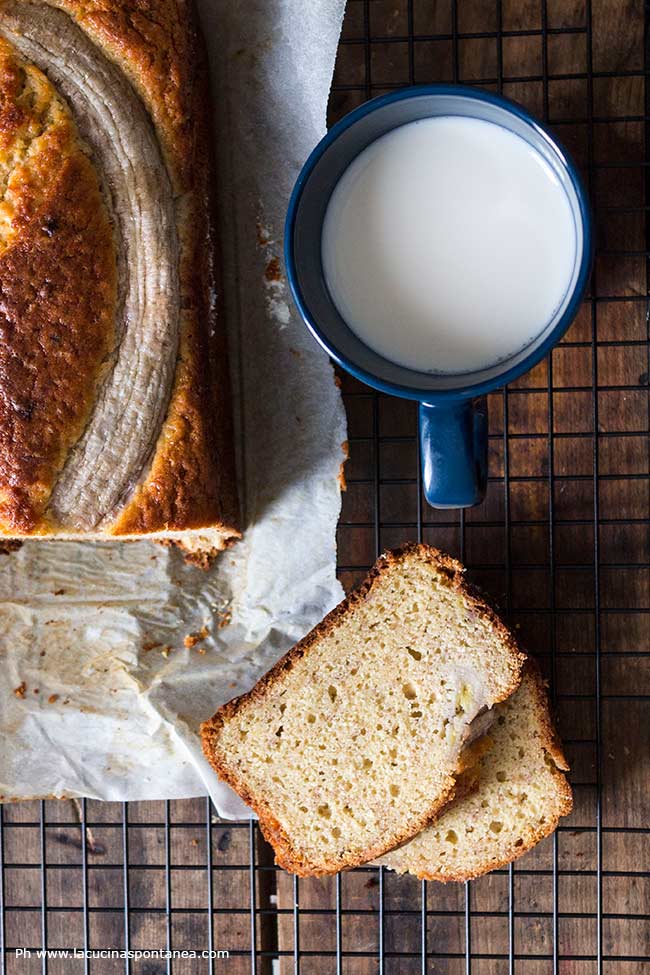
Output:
x=452 y=411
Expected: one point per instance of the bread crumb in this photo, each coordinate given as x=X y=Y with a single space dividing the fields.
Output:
x=9 y=545
x=345 y=447
x=53 y=698
x=166 y=651
x=273 y=271
x=202 y=560
x=59 y=592
x=263 y=236
x=192 y=639
x=224 y=618
x=150 y=645
x=20 y=690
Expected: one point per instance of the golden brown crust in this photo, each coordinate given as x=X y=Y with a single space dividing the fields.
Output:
x=9 y=545
x=58 y=282
x=552 y=745
x=286 y=855
x=191 y=481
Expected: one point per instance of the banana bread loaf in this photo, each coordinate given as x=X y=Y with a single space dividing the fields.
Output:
x=114 y=394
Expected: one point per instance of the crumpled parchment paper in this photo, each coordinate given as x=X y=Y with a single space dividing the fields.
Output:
x=112 y=654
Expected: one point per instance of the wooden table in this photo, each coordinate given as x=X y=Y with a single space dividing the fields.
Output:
x=562 y=542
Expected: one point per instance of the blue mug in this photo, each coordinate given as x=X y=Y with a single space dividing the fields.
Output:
x=453 y=426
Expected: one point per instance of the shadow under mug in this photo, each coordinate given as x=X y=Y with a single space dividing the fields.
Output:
x=453 y=426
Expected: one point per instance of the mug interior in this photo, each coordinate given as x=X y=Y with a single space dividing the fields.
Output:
x=312 y=195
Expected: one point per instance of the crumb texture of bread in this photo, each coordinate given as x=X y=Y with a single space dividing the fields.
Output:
x=116 y=390
x=353 y=741
x=518 y=799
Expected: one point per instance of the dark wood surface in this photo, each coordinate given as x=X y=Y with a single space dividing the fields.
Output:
x=562 y=542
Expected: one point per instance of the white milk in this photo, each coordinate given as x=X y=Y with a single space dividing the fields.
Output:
x=448 y=244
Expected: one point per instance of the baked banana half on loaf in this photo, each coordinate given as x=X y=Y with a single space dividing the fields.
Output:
x=114 y=394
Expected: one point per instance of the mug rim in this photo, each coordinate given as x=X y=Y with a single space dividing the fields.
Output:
x=502 y=378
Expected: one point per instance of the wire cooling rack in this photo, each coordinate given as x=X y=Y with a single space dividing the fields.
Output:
x=562 y=542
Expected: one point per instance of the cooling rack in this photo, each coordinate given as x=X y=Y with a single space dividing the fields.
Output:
x=562 y=542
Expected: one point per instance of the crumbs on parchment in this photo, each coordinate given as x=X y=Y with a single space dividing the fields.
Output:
x=9 y=545
x=263 y=235
x=273 y=271
x=20 y=690
x=192 y=639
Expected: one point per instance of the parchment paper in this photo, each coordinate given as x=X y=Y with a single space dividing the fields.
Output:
x=112 y=654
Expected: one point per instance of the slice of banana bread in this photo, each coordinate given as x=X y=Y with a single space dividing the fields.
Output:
x=352 y=743
x=521 y=795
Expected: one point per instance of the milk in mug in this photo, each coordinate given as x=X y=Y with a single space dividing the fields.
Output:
x=448 y=244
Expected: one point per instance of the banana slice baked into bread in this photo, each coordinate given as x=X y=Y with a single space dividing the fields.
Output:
x=352 y=743
x=520 y=796
x=114 y=394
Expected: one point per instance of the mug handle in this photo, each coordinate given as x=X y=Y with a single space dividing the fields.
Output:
x=453 y=449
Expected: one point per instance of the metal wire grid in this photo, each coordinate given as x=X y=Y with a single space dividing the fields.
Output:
x=171 y=875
